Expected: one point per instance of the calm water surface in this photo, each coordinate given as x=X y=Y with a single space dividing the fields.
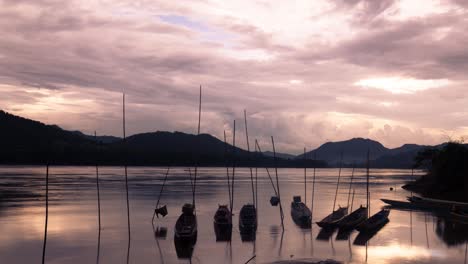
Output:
x=409 y=237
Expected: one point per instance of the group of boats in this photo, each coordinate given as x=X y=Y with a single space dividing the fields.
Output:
x=457 y=210
x=186 y=229
x=358 y=219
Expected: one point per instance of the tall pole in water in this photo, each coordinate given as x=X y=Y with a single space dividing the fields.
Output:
x=338 y=182
x=99 y=203
x=277 y=183
x=198 y=147
x=227 y=168
x=367 y=184
x=126 y=176
x=313 y=183
x=47 y=213
x=250 y=168
x=305 y=178
x=350 y=184
x=233 y=163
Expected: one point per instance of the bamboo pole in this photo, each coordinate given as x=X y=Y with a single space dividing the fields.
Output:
x=367 y=184
x=126 y=179
x=198 y=148
x=99 y=206
x=313 y=183
x=46 y=214
x=350 y=184
x=248 y=150
x=227 y=168
x=233 y=163
x=268 y=172
x=305 y=178
x=338 y=182
x=160 y=192
x=256 y=181
x=277 y=183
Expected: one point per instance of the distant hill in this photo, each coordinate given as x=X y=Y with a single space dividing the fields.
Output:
x=102 y=139
x=354 y=151
x=25 y=141
x=279 y=155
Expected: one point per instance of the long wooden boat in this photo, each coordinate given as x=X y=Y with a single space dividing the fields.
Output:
x=222 y=222
x=407 y=205
x=300 y=213
x=332 y=220
x=375 y=221
x=354 y=219
x=438 y=203
x=186 y=225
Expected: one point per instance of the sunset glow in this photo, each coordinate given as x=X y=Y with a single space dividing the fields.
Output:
x=291 y=62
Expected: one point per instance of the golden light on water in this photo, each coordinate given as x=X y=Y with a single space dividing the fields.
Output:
x=397 y=253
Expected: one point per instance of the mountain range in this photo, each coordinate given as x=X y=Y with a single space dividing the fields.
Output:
x=25 y=141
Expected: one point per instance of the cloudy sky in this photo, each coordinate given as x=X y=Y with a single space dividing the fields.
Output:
x=306 y=71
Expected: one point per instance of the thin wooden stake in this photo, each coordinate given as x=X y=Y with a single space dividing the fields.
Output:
x=227 y=168
x=277 y=182
x=126 y=179
x=249 y=154
x=338 y=183
x=367 y=184
x=47 y=214
x=305 y=178
x=233 y=164
x=198 y=148
x=99 y=205
x=350 y=184
x=313 y=184
x=268 y=172
x=160 y=192
x=256 y=181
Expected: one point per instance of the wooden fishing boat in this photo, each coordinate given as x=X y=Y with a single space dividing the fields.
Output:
x=436 y=203
x=300 y=213
x=375 y=221
x=354 y=219
x=332 y=220
x=186 y=225
x=248 y=219
x=222 y=222
x=407 y=205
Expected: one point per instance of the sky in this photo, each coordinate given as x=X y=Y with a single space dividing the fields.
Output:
x=306 y=72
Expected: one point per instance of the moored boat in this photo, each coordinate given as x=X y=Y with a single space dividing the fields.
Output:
x=354 y=219
x=375 y=221
x=222 y=222
x=248 y=219
x=300 y=213
x=332 y=220
x=436 y=203
x=186 y=225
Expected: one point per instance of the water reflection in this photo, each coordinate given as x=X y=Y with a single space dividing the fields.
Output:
x=453 y=233
x=363 y=237
x=410 y=236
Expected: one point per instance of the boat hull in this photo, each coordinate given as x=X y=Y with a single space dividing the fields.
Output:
x=333 y=219
x=375 y=222
x=301 y=214
x=354 y=219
